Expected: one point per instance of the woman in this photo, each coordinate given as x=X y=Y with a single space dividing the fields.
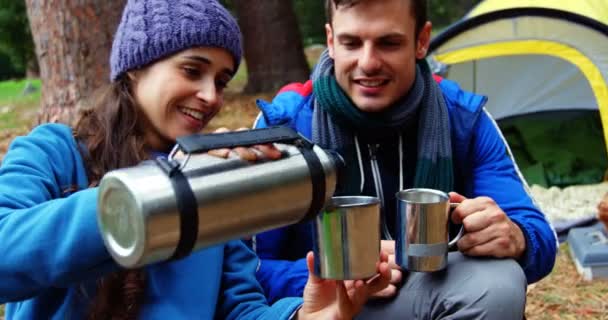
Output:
x=170 y=62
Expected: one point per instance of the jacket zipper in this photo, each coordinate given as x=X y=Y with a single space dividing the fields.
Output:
x=373 y=149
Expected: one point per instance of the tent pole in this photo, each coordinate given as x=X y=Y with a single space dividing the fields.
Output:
x=475 y=76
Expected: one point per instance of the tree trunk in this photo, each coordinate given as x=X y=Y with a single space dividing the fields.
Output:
x=273 y=45
x=32 y=70
x=73 y=40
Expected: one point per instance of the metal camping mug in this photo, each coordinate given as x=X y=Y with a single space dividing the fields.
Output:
x=346 y=242
x=423 y=229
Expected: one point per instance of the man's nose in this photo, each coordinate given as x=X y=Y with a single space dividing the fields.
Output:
x=369 y=62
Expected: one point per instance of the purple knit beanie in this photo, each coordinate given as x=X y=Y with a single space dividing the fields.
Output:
x=153 y=29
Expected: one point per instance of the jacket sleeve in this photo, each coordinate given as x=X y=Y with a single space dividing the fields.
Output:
x=496 y=175
x=278 y=276
x=46 y=239
x=241 y=296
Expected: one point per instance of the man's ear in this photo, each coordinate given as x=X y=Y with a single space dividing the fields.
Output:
x=329 y=34
x=424 y=40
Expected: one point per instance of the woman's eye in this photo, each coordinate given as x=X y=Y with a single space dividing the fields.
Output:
x=221 y=84
x=191 y=72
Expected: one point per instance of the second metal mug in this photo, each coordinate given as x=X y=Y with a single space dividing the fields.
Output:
x=346 y=242
x=423 y=217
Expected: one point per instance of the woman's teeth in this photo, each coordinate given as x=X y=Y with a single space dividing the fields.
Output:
x=193 y=113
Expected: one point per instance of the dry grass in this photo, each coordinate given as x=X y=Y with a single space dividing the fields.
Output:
x=6 y=136
x=565 y=295
x=238 y=111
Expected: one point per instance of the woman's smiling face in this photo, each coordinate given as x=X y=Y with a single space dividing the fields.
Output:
x=180 y=94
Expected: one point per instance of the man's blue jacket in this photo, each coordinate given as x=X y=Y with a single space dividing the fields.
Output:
x=483 y=166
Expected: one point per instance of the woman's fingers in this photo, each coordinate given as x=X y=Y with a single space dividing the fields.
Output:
x=252 y=153
x=268 y=151
x=382 y=280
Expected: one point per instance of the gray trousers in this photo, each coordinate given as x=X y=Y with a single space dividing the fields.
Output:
x=469 y=288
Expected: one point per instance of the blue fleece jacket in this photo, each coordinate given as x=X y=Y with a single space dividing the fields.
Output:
x=52 y=252
x=482 y=167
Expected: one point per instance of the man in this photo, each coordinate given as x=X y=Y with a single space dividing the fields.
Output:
x=373 y=98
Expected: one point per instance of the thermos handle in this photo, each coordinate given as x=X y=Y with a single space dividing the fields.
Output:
x=205 y=142
x=186 y=201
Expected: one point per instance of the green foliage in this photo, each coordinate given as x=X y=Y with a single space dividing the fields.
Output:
x=7 y=70
x=16 y=109
x=228 y=4
x=11 y=91
x=15 y=36
x=443 y=13
x=311 y=18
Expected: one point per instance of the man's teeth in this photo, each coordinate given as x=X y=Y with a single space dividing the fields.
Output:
x=193 y=113
x=371 y=83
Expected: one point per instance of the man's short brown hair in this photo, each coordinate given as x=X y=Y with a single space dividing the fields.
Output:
x=418 y=10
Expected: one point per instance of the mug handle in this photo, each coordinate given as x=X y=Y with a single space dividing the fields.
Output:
x=453 y=242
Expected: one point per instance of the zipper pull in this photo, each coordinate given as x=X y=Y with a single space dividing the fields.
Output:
x=373 y=150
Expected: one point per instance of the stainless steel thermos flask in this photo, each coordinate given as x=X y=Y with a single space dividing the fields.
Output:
x=166 y=208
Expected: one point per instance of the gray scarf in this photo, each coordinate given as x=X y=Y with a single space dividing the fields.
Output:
x=337 y=121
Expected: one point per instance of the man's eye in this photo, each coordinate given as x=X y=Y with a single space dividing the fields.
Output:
x=391 y=44
x=350 y=44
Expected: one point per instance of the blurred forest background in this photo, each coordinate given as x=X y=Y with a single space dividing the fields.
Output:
x=54 y=54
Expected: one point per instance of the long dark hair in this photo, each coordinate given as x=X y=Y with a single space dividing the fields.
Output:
x=111 y=137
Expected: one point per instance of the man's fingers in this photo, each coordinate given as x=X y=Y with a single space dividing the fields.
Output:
x=495 y=248
x=478 y=221
x=473 y=239
x=469 y=207
x=456 y=197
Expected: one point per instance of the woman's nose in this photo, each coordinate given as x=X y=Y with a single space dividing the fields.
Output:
x=208 y=93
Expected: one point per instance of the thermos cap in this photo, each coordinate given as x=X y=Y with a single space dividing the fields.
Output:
x=120 y=221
